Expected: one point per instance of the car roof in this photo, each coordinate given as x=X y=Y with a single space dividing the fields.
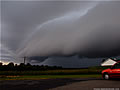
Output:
x=118 y=61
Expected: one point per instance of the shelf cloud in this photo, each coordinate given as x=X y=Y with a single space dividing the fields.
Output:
x=49 y=28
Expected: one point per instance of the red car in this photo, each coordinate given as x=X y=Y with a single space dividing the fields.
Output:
x=113 y=72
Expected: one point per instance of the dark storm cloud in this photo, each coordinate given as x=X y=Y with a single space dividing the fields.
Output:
x=37 y=58
x=19 y=19
x=90 y=29
x=95 y=34
x=71 y=62
x=104 y=43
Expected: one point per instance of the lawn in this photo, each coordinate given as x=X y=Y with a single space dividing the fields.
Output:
x=37 y=77
x=53 y=72
x=92 y=72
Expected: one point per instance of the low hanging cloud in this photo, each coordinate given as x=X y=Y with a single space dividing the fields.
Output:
x=91 y=32
x=90 y=29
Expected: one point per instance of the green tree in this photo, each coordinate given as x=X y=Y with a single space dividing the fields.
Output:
x=11 y=64
x=1 y=63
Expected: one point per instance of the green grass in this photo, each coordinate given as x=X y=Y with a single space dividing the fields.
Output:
x=54 y=72
x=91 y=72
x=33 y=77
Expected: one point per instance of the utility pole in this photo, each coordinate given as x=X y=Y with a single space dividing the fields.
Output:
x=24 y=59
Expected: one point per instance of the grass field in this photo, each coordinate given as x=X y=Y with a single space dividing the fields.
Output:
x=33 y=77
x=54 y=72
x=92 y=72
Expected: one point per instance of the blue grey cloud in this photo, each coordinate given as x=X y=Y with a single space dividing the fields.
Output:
x=45 y=28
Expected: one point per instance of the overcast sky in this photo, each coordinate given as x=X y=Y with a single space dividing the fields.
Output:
x=48 y=28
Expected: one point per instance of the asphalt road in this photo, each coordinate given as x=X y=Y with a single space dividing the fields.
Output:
x=92 y=85
x=61 y=84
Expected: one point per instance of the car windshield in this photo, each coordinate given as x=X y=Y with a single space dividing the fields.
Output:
x=116 y=66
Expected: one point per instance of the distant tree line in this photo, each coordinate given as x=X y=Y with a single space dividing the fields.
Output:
x=26 y=67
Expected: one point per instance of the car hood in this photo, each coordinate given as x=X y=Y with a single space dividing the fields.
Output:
x=105 y=70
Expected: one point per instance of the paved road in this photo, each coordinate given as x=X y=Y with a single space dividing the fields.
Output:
x=92 y=85
x=60 y=84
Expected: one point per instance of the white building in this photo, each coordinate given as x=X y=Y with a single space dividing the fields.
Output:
x=108 y=62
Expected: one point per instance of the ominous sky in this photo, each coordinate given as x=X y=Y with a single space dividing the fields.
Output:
x=48 y=28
